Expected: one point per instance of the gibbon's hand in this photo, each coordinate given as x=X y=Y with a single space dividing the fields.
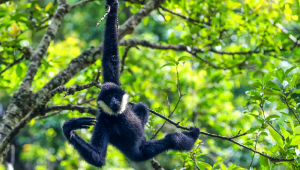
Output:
x=79 y=123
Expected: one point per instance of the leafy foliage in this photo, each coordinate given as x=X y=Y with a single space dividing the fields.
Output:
x=244 y=79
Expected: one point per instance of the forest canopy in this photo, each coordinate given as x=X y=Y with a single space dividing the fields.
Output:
x=230 y=68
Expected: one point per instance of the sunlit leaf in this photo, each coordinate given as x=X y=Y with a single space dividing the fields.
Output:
x=273 y=85
x=276 y=136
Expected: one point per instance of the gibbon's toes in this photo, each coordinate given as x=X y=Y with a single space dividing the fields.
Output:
x=193 y=133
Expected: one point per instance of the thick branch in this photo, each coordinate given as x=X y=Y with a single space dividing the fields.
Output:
x=81 y=109
x=156 y=165
x=38 y=54
x=33 y=114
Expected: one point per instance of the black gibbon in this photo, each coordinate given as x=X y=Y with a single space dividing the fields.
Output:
x=117 y=124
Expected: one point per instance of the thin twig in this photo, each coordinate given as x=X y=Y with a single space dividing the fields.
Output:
x=106 y=13
x=124 y=57
x=230 y=139
x=194 y=21
x=288 y=105
x=171 y=113
x=257 y=136
x=49 y=115
x=79 y=3
x=12 y=64
x=87 y=101
x=263 y=111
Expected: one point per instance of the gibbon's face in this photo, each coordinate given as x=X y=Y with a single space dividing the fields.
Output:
x=112 y=99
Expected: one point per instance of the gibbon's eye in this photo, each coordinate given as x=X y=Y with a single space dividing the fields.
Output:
x=109 y=96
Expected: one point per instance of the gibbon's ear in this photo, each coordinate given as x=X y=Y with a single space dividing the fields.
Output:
x=107 y=109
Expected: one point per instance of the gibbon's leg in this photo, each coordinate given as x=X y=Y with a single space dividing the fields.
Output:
x=142 y=112
x=93 y=154
x=176 y=141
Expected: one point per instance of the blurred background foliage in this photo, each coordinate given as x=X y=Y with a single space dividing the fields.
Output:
x=254 y=92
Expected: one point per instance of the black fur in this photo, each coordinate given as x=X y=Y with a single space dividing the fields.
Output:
x=124 y=130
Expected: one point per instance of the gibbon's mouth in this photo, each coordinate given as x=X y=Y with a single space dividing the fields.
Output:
x=116 y=109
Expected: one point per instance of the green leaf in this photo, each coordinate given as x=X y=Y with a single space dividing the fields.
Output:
x=266 y=78
x=297 y=130
x=285 y=133
x=264 y=161
x=273 y=85
x=253 y=129
x=280 y=74
x=184 y=58
x=263 y=134
x=295 y=140
x=272 y=117
x=290 y=123
x=172 y=60
x=272 y=92
x=257 y=84
x=281 y=106
x=19 y=71
x=168 y=64
x=289 y=70
x=258 y=75
x=48 y=7
x=218 y=162
x=295 y=80
x=276 y=137
x=297 y=91
x=206 y=165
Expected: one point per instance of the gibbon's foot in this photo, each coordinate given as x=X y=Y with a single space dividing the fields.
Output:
x=193 y=133
x=79 y=123
x=183 y=141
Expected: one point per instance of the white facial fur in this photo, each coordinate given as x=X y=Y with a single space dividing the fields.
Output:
x=105 y=108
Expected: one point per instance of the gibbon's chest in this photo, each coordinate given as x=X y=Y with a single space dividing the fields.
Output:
x=125 y=128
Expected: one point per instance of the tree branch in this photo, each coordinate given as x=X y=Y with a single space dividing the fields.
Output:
x=38 y=54
x=156 y=165
x=191 y=50
x=136 y=42
x=81 y=109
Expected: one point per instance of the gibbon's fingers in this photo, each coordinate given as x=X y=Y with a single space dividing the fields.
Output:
x=84 y=127
x=86 y=117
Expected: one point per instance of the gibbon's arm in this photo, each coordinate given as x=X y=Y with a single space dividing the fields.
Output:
x=110 y=59
x=93 y=153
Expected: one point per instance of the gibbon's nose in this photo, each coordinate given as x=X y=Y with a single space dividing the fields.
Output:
x=115 y=104
x=115 y=101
